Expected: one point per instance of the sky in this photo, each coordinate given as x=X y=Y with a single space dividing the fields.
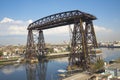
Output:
x=16 y=15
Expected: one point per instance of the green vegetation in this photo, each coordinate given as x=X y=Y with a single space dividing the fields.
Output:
x=97 y=66
x=50 y=50
x=68 y=48
x=8 y=61
x=1 y=53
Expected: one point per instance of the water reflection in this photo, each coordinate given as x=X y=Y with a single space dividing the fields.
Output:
x=36 y=71
x=45 y=70
x=8 y=71
x=11 y=69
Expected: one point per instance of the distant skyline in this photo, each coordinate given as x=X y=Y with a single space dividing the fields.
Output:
x=16 y=15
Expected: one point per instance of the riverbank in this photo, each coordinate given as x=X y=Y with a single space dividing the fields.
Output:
x=4 y=62
x=57 y=55
x=78 y=76
x=16 y=60
x=86 y=76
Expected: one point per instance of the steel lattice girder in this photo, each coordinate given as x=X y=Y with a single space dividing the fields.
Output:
x=30 y=47
x=41 y=44
x=60 y=19
x=78 y=49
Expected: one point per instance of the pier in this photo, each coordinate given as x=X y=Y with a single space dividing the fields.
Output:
x=57 y=55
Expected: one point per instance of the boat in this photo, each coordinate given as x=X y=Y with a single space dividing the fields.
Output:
x=62 y=73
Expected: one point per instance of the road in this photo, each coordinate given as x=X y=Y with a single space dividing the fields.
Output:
x=78 y=76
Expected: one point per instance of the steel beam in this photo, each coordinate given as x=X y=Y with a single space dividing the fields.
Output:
x=90 y=34
x=30 y=47
x=78 y=50
x=41 y=45
x=90 y=39
x=59 y=19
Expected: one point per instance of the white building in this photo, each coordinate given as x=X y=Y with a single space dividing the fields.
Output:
x=113 y=69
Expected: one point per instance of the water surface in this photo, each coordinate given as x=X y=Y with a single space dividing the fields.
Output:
x=45 y=70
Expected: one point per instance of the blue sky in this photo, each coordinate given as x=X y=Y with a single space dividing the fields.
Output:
x=15 y=15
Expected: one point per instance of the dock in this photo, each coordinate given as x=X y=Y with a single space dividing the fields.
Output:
x=57 y=55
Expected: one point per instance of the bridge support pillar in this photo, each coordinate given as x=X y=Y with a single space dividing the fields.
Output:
x=83 y=40
x=90 y=34
x=41 y=45
x=30 y=47
x=78 y=50
x=90 y=39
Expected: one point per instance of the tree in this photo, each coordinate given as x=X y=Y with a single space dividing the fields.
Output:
x=50 y=50
x=1 y=53
x=68 y=48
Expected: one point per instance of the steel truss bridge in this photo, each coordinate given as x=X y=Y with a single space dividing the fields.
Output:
x=83 y=38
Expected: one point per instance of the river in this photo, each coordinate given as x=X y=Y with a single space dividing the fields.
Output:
x=45 y=70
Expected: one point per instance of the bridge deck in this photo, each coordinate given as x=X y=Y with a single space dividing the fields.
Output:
x=60 y=19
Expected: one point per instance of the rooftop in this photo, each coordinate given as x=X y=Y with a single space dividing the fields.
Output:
x=114 y=66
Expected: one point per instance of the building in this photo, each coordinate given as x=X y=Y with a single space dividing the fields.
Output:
x=113 y=69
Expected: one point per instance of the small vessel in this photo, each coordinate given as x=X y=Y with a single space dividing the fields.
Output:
x=62 y=73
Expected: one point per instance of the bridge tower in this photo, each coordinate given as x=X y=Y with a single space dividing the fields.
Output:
x=90 y=35
x=90 y=39
x=78 y=50
x=41 y=45
x=83 y=40
x=30 y=47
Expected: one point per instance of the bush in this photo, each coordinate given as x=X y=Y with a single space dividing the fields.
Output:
x=97 y=66
x=1 y=53
x=68 y=48
x=50 y=50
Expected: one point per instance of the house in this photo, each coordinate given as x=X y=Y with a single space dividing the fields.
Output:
x=113 y=69
x=101 y=77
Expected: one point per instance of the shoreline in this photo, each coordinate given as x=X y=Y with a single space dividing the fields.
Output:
x=49 y=56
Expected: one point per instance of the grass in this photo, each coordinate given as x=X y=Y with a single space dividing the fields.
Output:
x=8 y=61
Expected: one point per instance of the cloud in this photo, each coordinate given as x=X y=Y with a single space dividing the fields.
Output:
x=65 y=30
x=8 y=71
x=17 y=30
x=100 y=29
x=6 y=20
x=10 y=26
